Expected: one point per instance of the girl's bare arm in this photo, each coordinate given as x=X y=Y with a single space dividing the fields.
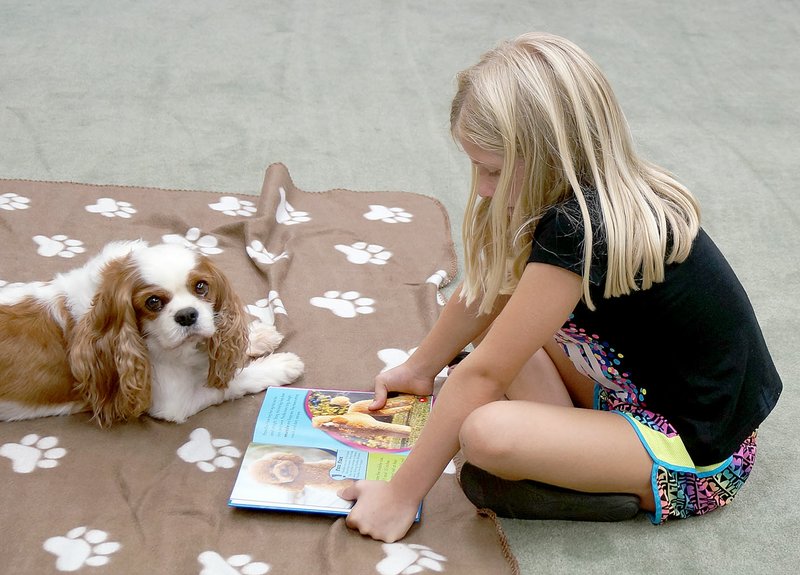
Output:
x=543 y=300
x=457 y=326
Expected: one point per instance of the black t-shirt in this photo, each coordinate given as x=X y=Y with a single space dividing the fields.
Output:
x=690 y=346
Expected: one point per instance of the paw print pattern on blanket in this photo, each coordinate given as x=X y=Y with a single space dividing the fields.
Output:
x=348 y=304
x=286 y=214
x=392 y=357
x=58 y=245
x=215 y=564
x=364 y=253
x=231 y=206
x=257 y=251
x=266 y=308
x=194 y=241
x=404 y=559
x=209 y=454
x=81 y=547
x=387 y=214
x=33 y=452
x=111 y=208
x=439 y=279
x=12 y=201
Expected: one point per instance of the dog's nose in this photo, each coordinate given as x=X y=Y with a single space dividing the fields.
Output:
x=186 y=316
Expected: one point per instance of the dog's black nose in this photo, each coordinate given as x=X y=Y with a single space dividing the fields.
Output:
x=186 y=316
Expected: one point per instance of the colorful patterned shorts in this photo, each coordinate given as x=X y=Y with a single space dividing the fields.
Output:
x=680 y=488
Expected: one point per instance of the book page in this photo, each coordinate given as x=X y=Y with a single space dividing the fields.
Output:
x=309 y=444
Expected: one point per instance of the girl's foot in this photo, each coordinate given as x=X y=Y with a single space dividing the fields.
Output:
x=533 y=500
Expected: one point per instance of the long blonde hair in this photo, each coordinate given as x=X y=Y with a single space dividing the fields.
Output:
x=541 y=102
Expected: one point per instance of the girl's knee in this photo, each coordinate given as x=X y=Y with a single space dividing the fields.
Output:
x=481 y=436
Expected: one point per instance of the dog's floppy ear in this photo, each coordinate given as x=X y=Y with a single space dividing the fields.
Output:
x=107 y=354
x=228 y=346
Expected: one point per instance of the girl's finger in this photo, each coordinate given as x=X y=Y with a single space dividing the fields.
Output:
x=349 y=493
x=380 y=397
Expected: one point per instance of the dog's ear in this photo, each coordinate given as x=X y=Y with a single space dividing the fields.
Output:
x=227 y=349
x=107 y=353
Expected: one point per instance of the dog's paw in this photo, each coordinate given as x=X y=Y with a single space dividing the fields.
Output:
x=263 y=372
x=278 y=369
x=293 y=367
x=263 y=339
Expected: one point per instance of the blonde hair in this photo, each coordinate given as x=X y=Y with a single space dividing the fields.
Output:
x=541 y=102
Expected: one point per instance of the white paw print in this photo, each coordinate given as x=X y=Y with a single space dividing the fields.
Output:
x=266 y=308
x=405 y=559
x=215 y=564
x=209 y=454
x=347 y=304
x=81 y=547
x=194 y=241
x=58 y=245
x=111 y=208
x=392 y=357
x=286 y=214
x=388 y=215
x=363 y=253
x=33 y=452
x=231 y=206
x=258 y=252
x=12 y=201
x=439 y=279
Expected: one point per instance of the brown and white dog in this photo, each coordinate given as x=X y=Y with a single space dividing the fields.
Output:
x=138 y=329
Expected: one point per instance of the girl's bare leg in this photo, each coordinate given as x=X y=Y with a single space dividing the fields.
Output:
x=539 y=435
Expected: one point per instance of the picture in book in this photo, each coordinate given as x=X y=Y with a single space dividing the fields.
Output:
x=308 y=444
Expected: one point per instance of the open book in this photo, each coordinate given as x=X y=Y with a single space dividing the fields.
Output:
x=308 y=444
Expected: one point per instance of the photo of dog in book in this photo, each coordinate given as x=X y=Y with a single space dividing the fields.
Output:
x=137 y=329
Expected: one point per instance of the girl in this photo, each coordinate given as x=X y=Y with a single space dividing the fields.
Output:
x=618 y=364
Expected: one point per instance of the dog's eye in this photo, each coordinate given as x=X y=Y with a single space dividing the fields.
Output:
x=201 y=288
x=154 y=303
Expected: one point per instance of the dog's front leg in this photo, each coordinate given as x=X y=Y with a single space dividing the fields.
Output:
x=263 y=372
x=178 y=400
x=178 y=407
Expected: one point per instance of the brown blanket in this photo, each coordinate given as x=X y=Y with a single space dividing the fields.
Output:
x=351 y=278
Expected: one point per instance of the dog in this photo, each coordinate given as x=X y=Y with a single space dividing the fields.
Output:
x=361 y=425
x=138 y=329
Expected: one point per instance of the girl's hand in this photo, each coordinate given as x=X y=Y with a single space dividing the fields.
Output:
x=379 y=512
x=401 y=378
